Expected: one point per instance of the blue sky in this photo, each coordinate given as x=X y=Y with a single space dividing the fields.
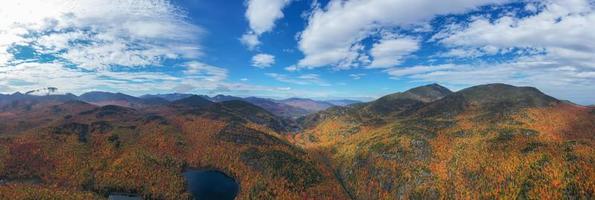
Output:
x=326 y=49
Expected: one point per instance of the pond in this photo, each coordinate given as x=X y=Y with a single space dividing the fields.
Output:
x=123 y=196
x=211 y=185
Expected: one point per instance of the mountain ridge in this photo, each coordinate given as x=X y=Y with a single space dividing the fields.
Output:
x=461 y=145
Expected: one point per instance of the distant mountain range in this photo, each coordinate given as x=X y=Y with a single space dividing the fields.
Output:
x=492 y=141
x=290 y=108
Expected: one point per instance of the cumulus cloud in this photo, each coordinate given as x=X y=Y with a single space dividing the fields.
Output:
x=84 y=33
x=333 y=35
x=261 y=16
x=562 y=30
x=82 y=45
x=250 y=39
x=389 y=52
x=263 y=60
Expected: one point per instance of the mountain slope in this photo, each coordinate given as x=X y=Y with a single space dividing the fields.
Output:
x=42 y=113
x=398 y=102
x=384 y=108
x=490 y=99
x=491 y=141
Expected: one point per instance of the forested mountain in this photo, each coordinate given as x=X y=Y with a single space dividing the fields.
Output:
x=77 y=150
x=485 y=142
x=491 y=141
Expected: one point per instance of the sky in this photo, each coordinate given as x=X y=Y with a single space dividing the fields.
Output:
x=326 y=49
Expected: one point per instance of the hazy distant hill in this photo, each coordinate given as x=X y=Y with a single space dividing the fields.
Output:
x=108 y=98
x=22 y=98
x=279 y=109
x=282 y=108
x=342 y=102
x=192 y=102
x=306 y=104
x=221 y=98
x=168 y=97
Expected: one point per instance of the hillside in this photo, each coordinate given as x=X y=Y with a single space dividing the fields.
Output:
x=88 y=152
x=490 y=141
x=385 y=108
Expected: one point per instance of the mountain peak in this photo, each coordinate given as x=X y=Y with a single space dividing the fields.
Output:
x=398 y=102
x=495 y=98
x=427 y=93
x=499 y=92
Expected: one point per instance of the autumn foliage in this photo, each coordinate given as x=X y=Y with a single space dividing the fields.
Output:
x=147 y=157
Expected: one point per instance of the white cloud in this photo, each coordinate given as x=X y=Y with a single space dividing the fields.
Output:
x=206 y=72
x=406 y=71
x=263 y=60
x=39 y=75
x=391 y=51
x=199 y=78
x=305 y=79
x=262 y=15
x=563 y=30
x=250 y=40
x=84 y=45
x=334 y=33
x=357 y=76
x=94 y=35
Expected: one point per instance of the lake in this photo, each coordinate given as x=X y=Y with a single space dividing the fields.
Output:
x=211 y=185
